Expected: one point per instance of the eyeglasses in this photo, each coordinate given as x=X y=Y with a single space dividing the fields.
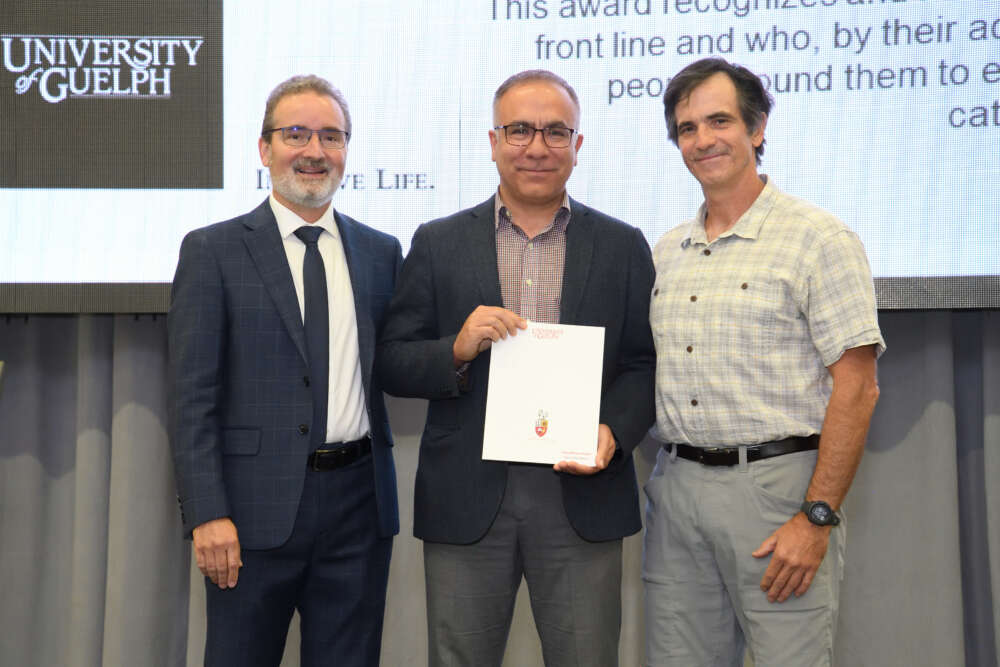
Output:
x=297 y=137
x=519 y=134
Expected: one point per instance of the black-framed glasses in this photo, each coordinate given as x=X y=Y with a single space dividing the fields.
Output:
x=519 y=134
x=297 y=136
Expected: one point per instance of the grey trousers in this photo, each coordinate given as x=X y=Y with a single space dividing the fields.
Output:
x=703 y=598
x=575 y=586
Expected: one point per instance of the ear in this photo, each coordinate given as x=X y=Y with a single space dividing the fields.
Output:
x=576 y=149
x=494 y=140
x=757 y=136
x=265 y=151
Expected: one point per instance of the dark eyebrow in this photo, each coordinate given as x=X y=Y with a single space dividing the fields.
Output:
x=322 y=129
x=718 y=115
x=555 y=123
x=721 y=115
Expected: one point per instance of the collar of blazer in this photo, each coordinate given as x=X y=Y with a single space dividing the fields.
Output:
x=263 y=242
x=482 y=248
x=266 y=249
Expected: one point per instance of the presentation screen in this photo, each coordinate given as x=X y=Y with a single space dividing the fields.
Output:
x=128 y=123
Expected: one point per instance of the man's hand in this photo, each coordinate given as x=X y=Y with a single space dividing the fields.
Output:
x=605 y=450
x=485 y=326
x=798 y=548
x=217 y=551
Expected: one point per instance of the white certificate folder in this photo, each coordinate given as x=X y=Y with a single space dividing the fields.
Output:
x=544 y=395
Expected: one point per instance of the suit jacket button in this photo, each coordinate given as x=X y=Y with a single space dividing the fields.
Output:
x=305 y=380
x=303 y=428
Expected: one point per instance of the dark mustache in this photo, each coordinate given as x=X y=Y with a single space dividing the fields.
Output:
x=310 y=163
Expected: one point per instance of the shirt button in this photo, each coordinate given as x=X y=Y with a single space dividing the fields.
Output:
x=303 y=429
x=694 y=401
x=531 y=246
x=690 y=348
x=707 y=251
x=528 y=281
x=694 y=298
x=743 y=286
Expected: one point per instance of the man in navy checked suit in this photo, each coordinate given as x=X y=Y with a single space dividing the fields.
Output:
x=282 y=453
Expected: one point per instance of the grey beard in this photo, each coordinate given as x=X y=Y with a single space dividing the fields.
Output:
x=299 y=195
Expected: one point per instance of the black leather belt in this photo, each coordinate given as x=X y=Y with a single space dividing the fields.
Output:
x=336 y=455
x=730 y=456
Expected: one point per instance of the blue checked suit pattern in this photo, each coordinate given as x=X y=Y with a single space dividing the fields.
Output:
x=239 y=401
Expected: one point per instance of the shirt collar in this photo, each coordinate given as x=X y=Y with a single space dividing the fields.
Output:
x=501 y=214
x=288 y=220
x=747 y=226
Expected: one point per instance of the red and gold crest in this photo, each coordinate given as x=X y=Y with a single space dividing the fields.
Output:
x=541 y=423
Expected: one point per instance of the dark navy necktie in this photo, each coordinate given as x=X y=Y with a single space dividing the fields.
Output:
x=317 y=325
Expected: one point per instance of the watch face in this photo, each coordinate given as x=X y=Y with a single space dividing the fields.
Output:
x=821 y=514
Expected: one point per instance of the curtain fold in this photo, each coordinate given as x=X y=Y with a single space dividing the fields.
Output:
x=977 y=593
x=991 y=461
x=94 y=411
x=94 y=570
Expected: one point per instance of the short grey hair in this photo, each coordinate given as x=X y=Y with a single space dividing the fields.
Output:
x=302 y=83
x=535 y=75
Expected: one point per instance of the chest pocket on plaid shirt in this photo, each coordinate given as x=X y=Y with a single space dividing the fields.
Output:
x=749 y=309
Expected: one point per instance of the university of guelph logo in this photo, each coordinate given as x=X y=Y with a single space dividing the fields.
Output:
x=542 y=423
x=97 y=65
x=143 y=87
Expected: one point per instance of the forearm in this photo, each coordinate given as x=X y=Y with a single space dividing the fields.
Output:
x=418 y=369
x=195 y=426
x=628 y=408
x=845 y=429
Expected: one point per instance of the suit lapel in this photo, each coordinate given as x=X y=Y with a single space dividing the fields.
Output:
x=264 y=244
x=579 y=254
x=359 y=266
x=481 y=246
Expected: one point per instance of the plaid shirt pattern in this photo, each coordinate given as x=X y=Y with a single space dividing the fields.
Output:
x=745 y=326
x=531 y=270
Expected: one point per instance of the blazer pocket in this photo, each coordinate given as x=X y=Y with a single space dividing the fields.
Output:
x=244 y=441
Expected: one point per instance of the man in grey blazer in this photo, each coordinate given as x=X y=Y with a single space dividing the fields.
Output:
x=528 y=252
x=278 y=427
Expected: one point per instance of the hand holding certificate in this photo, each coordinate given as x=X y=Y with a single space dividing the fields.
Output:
x=544 y=395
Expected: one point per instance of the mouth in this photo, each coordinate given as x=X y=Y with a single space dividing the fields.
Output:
x=707 y=158
x=535 y=170
x=311 y=170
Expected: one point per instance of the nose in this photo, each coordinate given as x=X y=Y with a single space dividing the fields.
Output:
x=537 y=146
x=704 y=136
x=313 y=147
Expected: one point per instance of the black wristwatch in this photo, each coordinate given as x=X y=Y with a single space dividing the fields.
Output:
x=820 y=513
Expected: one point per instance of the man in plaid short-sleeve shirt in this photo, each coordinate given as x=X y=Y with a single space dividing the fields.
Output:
x=765 y=325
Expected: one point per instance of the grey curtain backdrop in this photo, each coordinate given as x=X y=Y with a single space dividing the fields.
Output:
x=93 y=569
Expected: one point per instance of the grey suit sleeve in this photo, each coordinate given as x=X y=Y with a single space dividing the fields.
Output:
x=196 y=330
x=627 y=406
x=413 y=359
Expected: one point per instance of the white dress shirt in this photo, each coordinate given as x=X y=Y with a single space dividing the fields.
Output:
x=347 y=418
